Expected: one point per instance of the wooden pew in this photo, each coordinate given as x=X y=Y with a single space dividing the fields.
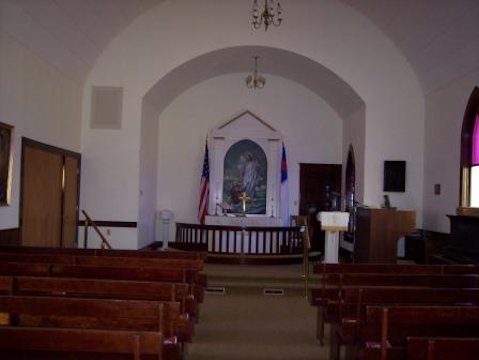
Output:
x=440 y=348
x=350 y=311
x=333 y=284
x=73 y=259
x=98 y=272
x=27 y=269
x=435 y=280
x=193 y=268
x=132 y=273
x=345 y=268
x=185 y=255
x=425 y=269
x=336 y=282
x=328 y=272
x=115 y=289
x=105 y=252
x=25 y=343
x=99 y=314
x=386 y=328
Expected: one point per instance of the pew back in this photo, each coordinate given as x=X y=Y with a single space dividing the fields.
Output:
x=95 y=288
x=125 y=261
x=438 y=348
x=104 y=252
x=67 y=342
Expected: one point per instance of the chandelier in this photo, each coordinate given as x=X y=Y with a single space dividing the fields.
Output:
x=255 y=81
x=268 y=17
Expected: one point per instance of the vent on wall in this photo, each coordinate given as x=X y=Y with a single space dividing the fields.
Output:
x=106 y=106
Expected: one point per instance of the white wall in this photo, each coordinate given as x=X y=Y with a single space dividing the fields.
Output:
x=148 y=176
x=353 y=134
x=41 y=103
x=356 y=51
x=444 y=116
x=312 y=133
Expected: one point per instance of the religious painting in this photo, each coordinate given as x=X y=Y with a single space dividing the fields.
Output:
x=245 y=174
x=5 y=163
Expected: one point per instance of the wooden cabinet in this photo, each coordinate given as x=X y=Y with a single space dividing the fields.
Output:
x=377 y=233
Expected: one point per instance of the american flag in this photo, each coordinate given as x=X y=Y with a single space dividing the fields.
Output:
x=204 y=188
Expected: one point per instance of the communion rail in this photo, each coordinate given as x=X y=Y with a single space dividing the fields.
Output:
x=217 y=239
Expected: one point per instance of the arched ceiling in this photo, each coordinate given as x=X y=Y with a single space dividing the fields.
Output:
x=320 y=80
x=439 y=38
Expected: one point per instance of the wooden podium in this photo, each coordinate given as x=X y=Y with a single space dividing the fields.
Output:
x=377 y=233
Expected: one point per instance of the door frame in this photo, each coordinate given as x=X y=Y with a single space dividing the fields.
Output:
x=30 y=143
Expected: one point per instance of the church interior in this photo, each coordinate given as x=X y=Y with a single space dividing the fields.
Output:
x=295 y=166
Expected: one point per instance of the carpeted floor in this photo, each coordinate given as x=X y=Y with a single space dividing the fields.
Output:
x=242 y=326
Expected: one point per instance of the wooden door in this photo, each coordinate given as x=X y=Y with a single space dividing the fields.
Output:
x=320 y=189
x=70 y=202
x=41 y=198
x=49 y=195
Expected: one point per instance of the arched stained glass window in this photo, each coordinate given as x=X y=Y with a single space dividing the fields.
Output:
x=470 y=156
x=474 y=186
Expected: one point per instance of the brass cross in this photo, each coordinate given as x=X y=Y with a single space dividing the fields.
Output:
x=244 y=198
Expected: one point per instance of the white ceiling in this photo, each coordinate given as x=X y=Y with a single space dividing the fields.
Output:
x=439 y=38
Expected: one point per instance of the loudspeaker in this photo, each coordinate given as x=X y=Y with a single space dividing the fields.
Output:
x=394 y=176
x=106 y=106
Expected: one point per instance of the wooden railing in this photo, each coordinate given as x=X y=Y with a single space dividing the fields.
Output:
x=240 y=240
x=88 y=221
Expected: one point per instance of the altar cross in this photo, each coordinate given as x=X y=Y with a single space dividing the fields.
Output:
x=244 y=198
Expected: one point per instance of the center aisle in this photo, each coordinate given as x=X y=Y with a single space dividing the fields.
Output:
x=249 y=327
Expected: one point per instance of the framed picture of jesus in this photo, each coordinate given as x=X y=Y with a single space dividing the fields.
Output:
x=5 y=163
x=245 y=175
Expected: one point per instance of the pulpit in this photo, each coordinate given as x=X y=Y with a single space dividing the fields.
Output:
x=378 y=231
x=333 y=222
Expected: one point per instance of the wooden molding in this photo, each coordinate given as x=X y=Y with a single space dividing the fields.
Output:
x=467 y=211
x=107 y=223
x=10 y=237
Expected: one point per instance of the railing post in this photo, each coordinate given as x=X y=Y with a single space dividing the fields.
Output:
x=104 y=242
x=243 y=231
x=305 y=240
x=85 y=235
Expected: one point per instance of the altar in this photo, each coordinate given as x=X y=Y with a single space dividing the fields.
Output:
x=243 y=221
x=244 y=205
x=245 y=234
x=245 y=159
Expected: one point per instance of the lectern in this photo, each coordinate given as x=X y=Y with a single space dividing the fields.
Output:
x=377 y=233
x=333 y=222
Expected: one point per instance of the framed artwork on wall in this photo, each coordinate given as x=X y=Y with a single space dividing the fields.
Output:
x=6 y=133
x=245 y=172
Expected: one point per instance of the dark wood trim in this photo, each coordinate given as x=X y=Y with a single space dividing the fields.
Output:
x=10 y=237
x=107 y=223
x=50 y=148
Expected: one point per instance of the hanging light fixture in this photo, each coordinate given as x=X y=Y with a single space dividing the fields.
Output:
x=269 y=16
x=255 y=81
